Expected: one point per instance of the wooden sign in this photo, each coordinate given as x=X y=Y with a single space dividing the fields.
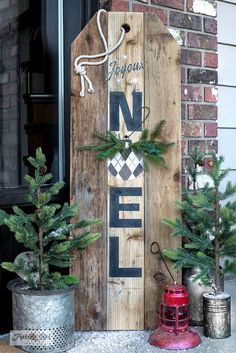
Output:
x=117 y=289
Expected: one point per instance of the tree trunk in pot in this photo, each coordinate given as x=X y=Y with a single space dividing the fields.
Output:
x=216 y=315
x=196 y=290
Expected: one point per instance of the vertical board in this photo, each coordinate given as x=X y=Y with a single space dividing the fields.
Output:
x=162 y=186
x=88 y=180
x=117 y=289
x=125 y=286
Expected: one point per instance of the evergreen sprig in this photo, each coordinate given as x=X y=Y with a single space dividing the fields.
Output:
x=48 y=232
x=149 y=146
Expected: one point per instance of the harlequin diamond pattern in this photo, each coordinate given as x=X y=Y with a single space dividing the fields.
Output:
x=126 y=166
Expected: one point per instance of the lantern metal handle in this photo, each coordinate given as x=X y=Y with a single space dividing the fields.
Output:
x=158 y=251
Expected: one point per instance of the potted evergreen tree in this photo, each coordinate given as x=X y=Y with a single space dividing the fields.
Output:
x=43 y=298
x=194 y=221
x=213 y=247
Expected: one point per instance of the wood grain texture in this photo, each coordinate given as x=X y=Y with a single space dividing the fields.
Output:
x=125 y=295
x=88 y=181
x=162 y=186
x=105 y=302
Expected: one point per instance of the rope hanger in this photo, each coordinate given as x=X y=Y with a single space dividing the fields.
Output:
x=80 y=66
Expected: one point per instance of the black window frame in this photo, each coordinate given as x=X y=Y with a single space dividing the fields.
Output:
x=76 y=14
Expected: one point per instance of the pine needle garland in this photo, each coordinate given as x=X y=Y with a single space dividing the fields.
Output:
x=149 y=146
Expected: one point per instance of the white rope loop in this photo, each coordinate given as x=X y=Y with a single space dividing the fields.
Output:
x=80 y=66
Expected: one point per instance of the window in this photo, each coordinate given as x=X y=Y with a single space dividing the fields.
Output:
x=29 y=102
x=35 y=38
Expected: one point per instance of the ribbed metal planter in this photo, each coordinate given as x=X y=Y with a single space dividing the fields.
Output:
x=216 y=315
x=45 y=317
x=196 y=290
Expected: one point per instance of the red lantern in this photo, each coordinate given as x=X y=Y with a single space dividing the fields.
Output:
x=173 y=330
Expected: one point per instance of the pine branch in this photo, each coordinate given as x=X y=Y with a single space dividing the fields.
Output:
x=150 y=149
x=84 y=223
x=84 y=240
x=156 y=132
x=230 y=190
x=229 y=266
x=181 y=230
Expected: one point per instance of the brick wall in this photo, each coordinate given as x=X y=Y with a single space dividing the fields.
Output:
x=193 y=24
x=9 y=113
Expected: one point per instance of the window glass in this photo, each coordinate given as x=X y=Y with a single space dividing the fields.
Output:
x=28 y=86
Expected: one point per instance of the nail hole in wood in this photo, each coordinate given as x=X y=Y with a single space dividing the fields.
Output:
x=126 y=27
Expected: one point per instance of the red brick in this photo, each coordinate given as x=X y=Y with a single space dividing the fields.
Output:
x=210 y=25
x=9 y=88
x=191 y=57
x=184 y=181
x=4 y=29
x=13 y=75
x=191 y=93
x=190 y=129
x=202 y=112
x=13 y=38
x=205 y=145
x=160 y=13
x=174 y=4
x=14 y=100
x=5 y=51
x=190 y=5
x=14 y=24
x=211 y=145
x=186 y=163
x=182 y=20
x=184 y=147
x=120 y=5
x=203 y=76
x=14 y=50
x=183 y=74
x=4 y=4
x=208 y=163
x=4 y=77
x=104 y=4
x=210 y=130
x=4 y=102
x=202 y=41
x=210 y=94
x=211 y=60
x=183 y=111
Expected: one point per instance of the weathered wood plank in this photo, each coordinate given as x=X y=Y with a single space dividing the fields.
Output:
x=162 y=187
x=125 y=295
x=108 y=299
x=89 y=179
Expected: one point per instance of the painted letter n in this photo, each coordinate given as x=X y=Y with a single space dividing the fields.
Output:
x=118 y=101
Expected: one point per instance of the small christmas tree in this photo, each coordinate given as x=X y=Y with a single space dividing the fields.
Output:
x=208 y=227
x=47 y=232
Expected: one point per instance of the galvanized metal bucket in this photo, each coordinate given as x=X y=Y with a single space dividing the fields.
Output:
x=43 y=321
x=216 y=315
x=196 y=289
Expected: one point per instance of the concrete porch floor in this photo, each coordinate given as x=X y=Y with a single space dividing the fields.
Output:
x=136 y=341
